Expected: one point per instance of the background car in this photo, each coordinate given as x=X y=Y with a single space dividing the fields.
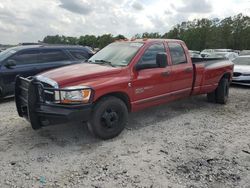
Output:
x=241 y=73
x=245 y=52
x=32 y=59
x=219 y=53
x=194 y=54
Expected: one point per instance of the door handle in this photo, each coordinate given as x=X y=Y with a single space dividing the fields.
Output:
x=165 y=74
x=189 y=69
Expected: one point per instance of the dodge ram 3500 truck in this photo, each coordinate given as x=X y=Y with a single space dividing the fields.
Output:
x=123 y=77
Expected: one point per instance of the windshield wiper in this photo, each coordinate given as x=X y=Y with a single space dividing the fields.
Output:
x=104 y=62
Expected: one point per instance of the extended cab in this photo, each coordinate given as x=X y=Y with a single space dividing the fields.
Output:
x=123 y=77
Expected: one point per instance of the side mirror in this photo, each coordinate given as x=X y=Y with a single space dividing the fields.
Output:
x=161 y=60
x=10 y=64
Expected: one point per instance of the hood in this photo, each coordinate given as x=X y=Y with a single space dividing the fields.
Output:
x=242 y=68
x=78 y=72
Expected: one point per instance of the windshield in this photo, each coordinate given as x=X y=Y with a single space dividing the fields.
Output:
x=117 y=54
x=7 y=53
x=242 y=61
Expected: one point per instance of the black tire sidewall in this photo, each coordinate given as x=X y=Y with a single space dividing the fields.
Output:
x=222 y=91
x=1 y=95
x=95 y=125
x=211 y=97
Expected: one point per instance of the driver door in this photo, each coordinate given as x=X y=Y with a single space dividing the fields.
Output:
x=151 y=84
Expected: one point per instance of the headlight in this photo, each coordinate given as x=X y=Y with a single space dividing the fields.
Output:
x=73 y=95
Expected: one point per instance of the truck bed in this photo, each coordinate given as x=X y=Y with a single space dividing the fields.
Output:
x=208 y=72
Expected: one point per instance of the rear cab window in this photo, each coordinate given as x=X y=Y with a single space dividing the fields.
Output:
x=177 y=53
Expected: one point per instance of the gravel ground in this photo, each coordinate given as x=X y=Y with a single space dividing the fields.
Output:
x=189 y=143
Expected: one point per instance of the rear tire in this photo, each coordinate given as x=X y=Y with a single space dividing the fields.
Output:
x=211 y=97
x=109 y=117
x=222 y=92
x=1 y=95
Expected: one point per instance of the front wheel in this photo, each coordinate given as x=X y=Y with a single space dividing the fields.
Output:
x=109 y=117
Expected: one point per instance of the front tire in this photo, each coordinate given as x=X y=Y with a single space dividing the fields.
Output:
x=109 y=117
x=222 y=92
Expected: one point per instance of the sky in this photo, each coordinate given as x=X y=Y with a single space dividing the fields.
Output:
x=32 y=20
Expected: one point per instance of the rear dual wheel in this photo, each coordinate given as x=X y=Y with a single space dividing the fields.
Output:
x=109 y=117
x=220 y=95
x=222 y=91
x=1 y=95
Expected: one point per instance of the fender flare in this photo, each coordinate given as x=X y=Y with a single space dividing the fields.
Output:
x=119 y=94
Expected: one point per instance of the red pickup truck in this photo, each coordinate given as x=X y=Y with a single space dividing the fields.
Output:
x=125 y=76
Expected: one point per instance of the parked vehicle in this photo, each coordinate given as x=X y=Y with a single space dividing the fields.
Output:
x=219 y=53
x=244 y=52
x=121 y=78
x=30 y=60
x=194 y=54
x=231 y=55
x=241 y=73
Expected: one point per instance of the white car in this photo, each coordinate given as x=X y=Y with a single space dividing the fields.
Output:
x=219 y=53
x=194 y=54
x=244 y=52
x=241 y=73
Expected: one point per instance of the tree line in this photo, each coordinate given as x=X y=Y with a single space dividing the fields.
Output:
x=232 y=32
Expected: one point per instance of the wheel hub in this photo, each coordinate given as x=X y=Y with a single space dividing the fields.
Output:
x=110 y=118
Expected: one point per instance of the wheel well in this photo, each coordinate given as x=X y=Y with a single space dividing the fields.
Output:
x=227 y=76
x=123 y=96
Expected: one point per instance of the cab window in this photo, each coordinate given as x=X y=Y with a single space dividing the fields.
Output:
x=25 y=57
x=177 y=53
x=149 y=56
x=53 y=55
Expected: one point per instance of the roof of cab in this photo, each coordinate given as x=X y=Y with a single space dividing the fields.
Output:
x=46 y=46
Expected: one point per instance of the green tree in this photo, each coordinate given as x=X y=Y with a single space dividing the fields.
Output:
x=120 y=37
x=88 y=40
x=104 y=40
x=231 y=32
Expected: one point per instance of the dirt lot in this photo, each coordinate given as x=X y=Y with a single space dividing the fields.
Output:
x=189 y=143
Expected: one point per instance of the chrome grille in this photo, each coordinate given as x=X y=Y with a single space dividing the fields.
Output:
x=46 y=96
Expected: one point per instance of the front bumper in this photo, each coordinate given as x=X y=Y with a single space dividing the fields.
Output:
x=53 y=114
x=39 y=113
x=241 y=80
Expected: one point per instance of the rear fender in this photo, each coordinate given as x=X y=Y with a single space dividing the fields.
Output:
x=227 y=75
